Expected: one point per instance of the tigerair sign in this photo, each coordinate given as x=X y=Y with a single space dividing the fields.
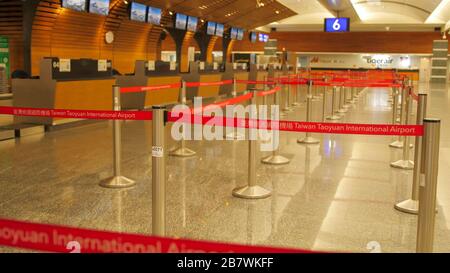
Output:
x=379 y=60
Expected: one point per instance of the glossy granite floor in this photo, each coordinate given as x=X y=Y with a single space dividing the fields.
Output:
x=336 y=196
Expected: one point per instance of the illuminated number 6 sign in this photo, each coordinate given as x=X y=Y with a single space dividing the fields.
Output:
x=337 y=24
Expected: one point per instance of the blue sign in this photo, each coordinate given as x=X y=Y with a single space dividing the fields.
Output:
x=154 y=15
x=337 y=24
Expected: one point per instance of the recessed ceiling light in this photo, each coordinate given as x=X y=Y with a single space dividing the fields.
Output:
x=277 y=12
x=126 y=2
x=171 y=13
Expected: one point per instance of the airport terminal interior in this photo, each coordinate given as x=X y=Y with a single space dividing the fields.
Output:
x=357 y=157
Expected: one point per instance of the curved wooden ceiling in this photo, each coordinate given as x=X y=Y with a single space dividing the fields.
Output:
x=246 y=14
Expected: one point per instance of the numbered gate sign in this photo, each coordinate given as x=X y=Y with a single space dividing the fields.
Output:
x=337 y=24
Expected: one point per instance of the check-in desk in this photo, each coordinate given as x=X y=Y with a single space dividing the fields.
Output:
x=203 y=72
x=83 y=84
x=150 y=73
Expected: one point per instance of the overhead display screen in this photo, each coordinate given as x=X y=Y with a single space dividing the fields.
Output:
x=99 y=7
x=219 y=30
x=211 y=28
x=192 y=23
x=78 y=5
x=180 y=21
x=234 y=33
x=240 y=34
x=337 y=24
x=253 y=37
x=138 y=12
x=154 y=16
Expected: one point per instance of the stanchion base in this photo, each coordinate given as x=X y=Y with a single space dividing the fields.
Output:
x=342 y=111
x=251 y=192
x=334 y=117
x=408 y=206
x=295 y=104
x=399 y=145
x=235 y=135
x=182 y=152
x=403 y=164
x=275 y=160
x=117 y=182
x=308 y=140
x=288 y=110
x=346 y=106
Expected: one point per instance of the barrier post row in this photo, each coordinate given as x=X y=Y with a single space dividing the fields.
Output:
x=158 y=172
x=405 y=163
x=412 y=205
x=333 y=115
x=252 y=190
x=182 y=151
x=308 y=139
x=117 y=181
x=428 y=185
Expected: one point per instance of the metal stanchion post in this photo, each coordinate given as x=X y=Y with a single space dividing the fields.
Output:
x=158 y=172
x=346 y=103
x=324 y=103
x=342 y=109
x=405 y=163
x=287 y=108
x=402 y=105
x=308 y=139
x=428 y=185
x=412 y=205
x=252 y=190
x=275 y=158
x=234 y=134
x=117 y=180
x=295 y=103
x=182 y=151
x=333 y=115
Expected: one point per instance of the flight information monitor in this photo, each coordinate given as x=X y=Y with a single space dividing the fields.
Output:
x=180 y=21
x=211 y=28
x=192 y=23
x=337 y=24
x=78 y=5
x=99 y=7
x=154 y=16
x=138 y=12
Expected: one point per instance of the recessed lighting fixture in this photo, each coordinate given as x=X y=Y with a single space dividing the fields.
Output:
x=126 y=2
x=171 y=13
x=277 y=12
x=202 y=20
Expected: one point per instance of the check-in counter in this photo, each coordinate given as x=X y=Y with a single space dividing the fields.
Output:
x=150 y=73
x=204 y=73
x=83 y=84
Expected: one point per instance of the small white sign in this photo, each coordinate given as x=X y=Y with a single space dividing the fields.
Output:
x=202 y=65
x=173 y=66
x=244 y=66
x=157 y=151
x=151 y=65
x=215 y=66
x=102 y=66
x=235 y=66
x=64 y=65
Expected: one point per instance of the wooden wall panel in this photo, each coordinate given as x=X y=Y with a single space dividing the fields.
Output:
x=359 y=42
x=130 y=45
x=11 y=27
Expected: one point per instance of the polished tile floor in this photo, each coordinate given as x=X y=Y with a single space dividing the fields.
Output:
x=335 y=196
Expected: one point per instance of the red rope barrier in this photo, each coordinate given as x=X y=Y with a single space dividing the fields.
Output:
x=198 y=84
x=269 y=92
x=135 y=89
x=76 y=114
x=56 y=238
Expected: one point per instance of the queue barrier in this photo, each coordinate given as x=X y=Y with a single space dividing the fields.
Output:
x=64 y=239
x=429 y=173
